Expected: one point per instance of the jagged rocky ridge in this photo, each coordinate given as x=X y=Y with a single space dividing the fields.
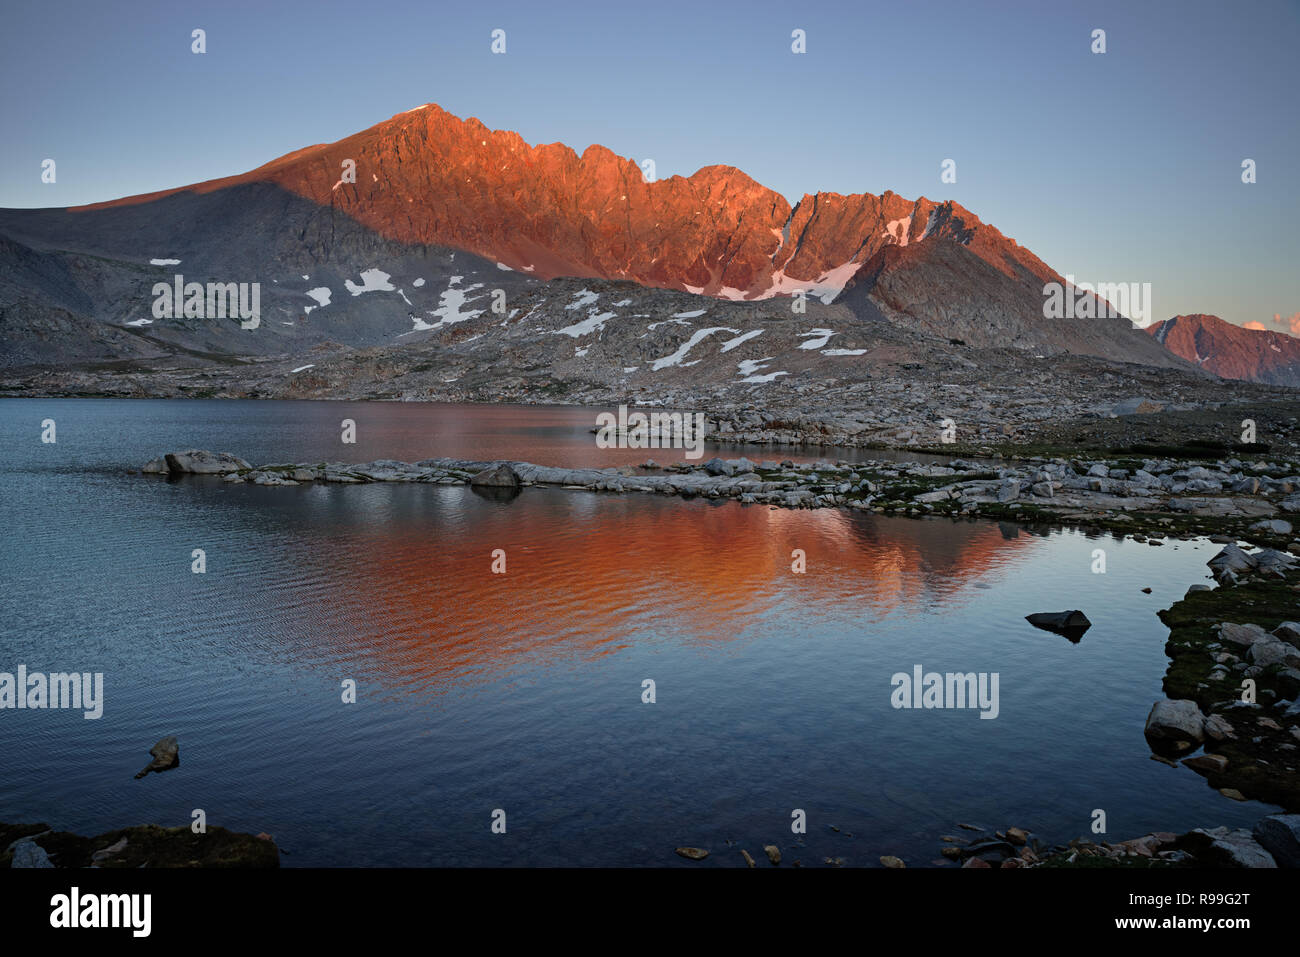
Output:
x=444 y=212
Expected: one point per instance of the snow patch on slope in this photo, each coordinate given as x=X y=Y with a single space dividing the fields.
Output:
x=449 y=308
x=826 y=286
x=899 y=236
x=322 y=297
x=584 y=298
x=750 y=366
x=372 y=280
x=595 y=322
x=819 y=338
x=676 y=358
x=740 y=340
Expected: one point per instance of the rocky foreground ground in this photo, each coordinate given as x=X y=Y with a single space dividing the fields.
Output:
x=147 y=845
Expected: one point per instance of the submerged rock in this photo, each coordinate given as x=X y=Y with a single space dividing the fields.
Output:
x=166 y=755
x=1207 y=763
x=692 y=853
x=989 y=850
x=496 y=493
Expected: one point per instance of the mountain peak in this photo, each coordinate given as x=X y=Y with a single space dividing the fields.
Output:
x=426 y=176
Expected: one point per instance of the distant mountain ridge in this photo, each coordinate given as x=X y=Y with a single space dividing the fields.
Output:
x=1231 y=351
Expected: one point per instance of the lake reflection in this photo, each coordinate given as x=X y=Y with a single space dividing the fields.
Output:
x=523 y=690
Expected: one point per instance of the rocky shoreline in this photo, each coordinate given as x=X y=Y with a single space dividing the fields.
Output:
x=1232 y=715
x=147 y=845
x=1152 y=496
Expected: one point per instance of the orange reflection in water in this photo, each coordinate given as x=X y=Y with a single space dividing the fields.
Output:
x=587 y=574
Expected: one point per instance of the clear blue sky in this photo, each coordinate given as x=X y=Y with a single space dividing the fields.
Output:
x=1123 y=166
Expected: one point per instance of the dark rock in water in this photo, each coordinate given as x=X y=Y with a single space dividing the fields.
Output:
x=1279 y=834
x=773 y=853
x=166 y=755
x=693 y=853
x=716 y=466
x=200 y=462
x=496 y=493
x=502 y=476
x=1071 y=624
